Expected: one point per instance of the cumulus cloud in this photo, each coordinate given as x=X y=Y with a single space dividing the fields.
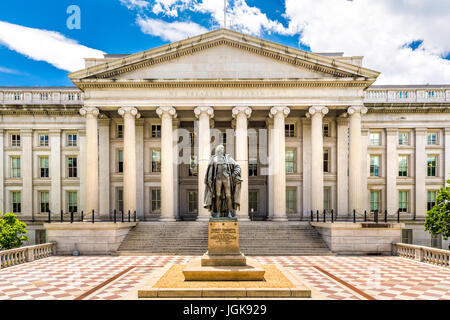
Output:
x=170 y=31
x=49 y=46
x=132 y=4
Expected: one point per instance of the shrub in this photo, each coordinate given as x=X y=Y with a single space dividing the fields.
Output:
x=12 y=231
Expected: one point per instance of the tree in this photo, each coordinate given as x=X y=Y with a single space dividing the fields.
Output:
x=12 y=231
x=438 y=218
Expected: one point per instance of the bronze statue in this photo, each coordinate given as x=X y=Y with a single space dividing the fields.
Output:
x=223 y=185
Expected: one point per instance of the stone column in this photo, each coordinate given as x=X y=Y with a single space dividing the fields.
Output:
x=306 y=169
x=129 y=114
x=82 y=170
x=55 y=170
x=364 y=169
x=204 y=114
x=2 y=172
x=421 y=173
x=342 y=166
x=391 y=170
x=104 y=171
x=446 y=154
x=270 y=158
x=279 y=114
x=91 y=172
x=26 y=163
x=316 y=113
x=241 y=114
x=167 y=114
x=355 y=158
x=140 y=169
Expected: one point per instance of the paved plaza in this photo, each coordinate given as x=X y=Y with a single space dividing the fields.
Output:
x=337 y=278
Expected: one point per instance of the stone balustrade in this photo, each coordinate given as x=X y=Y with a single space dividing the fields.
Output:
x=430 y=255
x=12 y=257
x=41 y=96
x=406 y=95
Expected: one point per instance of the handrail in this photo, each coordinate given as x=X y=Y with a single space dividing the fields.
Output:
x=13 y=257
x=430 y=255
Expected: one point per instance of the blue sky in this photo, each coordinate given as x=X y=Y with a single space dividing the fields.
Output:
x=396 y=37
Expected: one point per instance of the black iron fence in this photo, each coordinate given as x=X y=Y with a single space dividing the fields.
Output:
x=89 y=217
x=375 y=216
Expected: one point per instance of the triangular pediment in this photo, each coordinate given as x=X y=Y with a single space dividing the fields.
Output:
x=222 y=54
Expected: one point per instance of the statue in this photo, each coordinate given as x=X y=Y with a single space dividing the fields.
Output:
x=223 y=185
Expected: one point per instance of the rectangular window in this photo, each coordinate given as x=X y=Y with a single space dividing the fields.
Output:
x=156 y=160
x=72 y=167
x=431 y=199
x=45 y=207
x=16 y=202
x=193 y=166
x=120 y=131
x=253 y=202
x=193 y=202
x=326 y=130
x=156 y=131
x=156 y=200
x=43 y=167
x=374 y=166
x=403 y=201
x=43 y=140
x=15 y=167
x=72 y=200
x=436 y=241
x=403 y=139
x=290 y=200
x=120 y=162
x=15 y=140
x=289 y=130
x=120 y=200
x=432 y=138
x=252 y=167
x=374 y=201
x=71 y=140
x=374 y=139
x=431 y=166
x=290 y=161
x=403 y=166
x=326 y=199
x=326 y=160
x=223 y=139
x=40 y=237
x=407 y=236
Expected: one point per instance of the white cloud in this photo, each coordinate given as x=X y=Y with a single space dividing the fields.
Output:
x=132 y=4
x=170 y=31
x=9 y=71
x=49 y=46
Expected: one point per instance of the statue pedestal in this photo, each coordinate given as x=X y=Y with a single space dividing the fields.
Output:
x=224 y=260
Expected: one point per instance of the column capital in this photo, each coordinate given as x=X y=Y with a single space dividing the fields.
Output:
x=134 y=112
x=356 y=109
x=318 y=110
x=245 y=110
x=284 y=110
x=89 y=111
x=209 y=111
x=446 y=130
x=166 y=110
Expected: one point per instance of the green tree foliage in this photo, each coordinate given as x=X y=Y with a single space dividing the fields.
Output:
x=438 y=218
x=12 y=231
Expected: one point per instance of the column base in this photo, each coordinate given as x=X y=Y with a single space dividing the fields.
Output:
x=279 y=219
x=167 y=219
x=243 y=219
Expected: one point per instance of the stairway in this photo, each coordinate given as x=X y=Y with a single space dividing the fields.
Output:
x=257 y=238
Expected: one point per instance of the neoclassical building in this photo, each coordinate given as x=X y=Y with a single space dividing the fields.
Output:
x=309 y=131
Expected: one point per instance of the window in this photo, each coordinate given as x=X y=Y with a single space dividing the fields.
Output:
x=403 y=201
x=290 y=200
x=15 y=140
x=374 y=139
x=431 y=166
x=40 y=237
x=326 y=160
x=45 y=207
x=223 y=139
x=374 y=201
x=156 y=200
x=403 y=166
x=17 y=96
x=71 y=140
x=44 y=96
x=156 y=131
x=253 y=202
x=193 y=202
x=407 y=236
x=16 y=202
x=120 y=162
x=120 y=131
x=43 y=167
x=43 y=140
x=193 y=169
x=156 y=160
x=432 y=138
x=72 y=167
x=252 y=167
x=290 y=161
x=120 y=199
x=289 y=130
x=374 y=166
x=431 y=199
x=326 y=130
x=73 y=203
x=403 y=139
x=403 y=94
x=326 y=199
x=436 y=241
x=15 y=167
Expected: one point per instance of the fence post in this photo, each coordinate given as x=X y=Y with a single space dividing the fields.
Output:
x=317 y=215
x=398 y=215
x=115 y=216
x=71 y=217
x=385 y=215
x=49 y=217
x=62 y=216
x=332 y=216
x=93 y=216
x=365 y=215
x=324 y=216
x=312 y=216
x=375 y=216
x=82 y=215
x=122 y=215
x=354 y=216
x=129 y=216
x=134 y=218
